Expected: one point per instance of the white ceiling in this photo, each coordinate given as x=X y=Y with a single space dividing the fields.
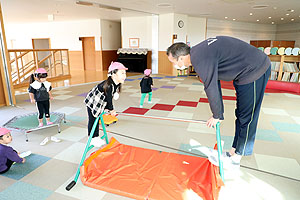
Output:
x=24 y=11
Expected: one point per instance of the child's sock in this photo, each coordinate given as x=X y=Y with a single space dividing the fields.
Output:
x=54 y=139
x=45 y=141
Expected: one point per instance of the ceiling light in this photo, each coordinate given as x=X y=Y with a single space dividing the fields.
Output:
x=272 y=22
x=292 y=19
x=251 y=14
x=164 y=5
x=274 y=8
x=226 y=17
x=260 y=6
x=233 y=19
x=287 y=14
x=85 y=3
x=270 y=17
x=257 y=20
x=282 y=18
x=290 y=10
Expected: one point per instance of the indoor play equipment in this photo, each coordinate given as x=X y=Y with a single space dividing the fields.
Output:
x=148 y=174
x=28 y=122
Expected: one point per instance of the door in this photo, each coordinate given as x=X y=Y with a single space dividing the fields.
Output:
x=89 y=53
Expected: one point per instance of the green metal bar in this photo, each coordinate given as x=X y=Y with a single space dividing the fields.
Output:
x=88 y=148
x=104 y=130
x=219 y=150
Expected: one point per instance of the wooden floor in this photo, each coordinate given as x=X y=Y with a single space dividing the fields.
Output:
x=78 y=77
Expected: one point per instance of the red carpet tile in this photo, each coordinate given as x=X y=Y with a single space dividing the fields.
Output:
x=203 y=100
x=187 y=103
x=229 y=98
x=165 y=107
x=138 y=111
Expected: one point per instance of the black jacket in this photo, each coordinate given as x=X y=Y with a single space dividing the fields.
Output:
x=145 y=84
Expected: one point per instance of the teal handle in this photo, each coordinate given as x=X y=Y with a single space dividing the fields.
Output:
x=219 y=150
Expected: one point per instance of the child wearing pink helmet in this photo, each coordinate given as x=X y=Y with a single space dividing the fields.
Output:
x=101 y=97
x=146 y=85
x=7 y=154
x=40 y=94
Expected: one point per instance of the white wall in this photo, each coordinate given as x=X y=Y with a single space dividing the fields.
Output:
x=165 y=31
x=64 y=35
x=136 y=27
x=242 y=30
x=180 y=32
x=196 y=30
x=289 y=31
x=111 y=35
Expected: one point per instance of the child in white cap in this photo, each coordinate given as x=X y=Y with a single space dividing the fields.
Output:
x=146 y=87
x=7 y=154
x=40 y=94
x=100 y=98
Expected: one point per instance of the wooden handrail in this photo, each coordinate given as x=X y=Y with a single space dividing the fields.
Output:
x=22 y=66
x=21 y=50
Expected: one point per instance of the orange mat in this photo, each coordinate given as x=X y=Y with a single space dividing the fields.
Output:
x=149 y=174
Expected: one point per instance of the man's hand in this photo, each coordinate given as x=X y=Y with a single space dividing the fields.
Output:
x=212 y=122
x=32 y=100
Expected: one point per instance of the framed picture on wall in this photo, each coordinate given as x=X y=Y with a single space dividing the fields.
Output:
x=134 y=42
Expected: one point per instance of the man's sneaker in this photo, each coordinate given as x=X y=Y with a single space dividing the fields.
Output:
x=41 y=124
x=54 y=139
x=24 y=154
x=149 y=102
x=97 y=142
x=45 y=141
x=141 y=106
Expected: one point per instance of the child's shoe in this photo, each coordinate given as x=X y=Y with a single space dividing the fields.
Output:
x=97 y=142
x=54 y=139
x=49 y=123
x=141 y=106
x=41 y=124
x=45 y=141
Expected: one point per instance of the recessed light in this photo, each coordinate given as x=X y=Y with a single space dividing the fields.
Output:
x=164 y=5
x=251 y=14
x=282 y=18
x=274 y=8
x=292 y=19
x=290 y=10
x=270 y=17
x=257 y=20
x=272 y=22
x=260 y=6
x=287 y=14
x=233 y=19
x=226 y=17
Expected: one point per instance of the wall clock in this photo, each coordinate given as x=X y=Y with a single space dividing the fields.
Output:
x=180 y=23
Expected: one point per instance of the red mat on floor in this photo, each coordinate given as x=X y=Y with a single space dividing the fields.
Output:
x=272 y=86
x=187 y=103
x=149 y=174
x=165 y=107
x=138 y=111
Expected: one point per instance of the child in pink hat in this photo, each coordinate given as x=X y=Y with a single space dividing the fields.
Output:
x=101 y=97
x=146 y=87
x=7 y=154
x=40 y=94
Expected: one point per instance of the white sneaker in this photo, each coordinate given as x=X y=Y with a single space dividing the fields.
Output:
x=149 y=102
x=54 y=139
x=141 y=106
x=24 y=154
x=45 y=141
x=97 y=142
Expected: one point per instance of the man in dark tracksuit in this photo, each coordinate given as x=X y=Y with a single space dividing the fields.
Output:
x=229 y=59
